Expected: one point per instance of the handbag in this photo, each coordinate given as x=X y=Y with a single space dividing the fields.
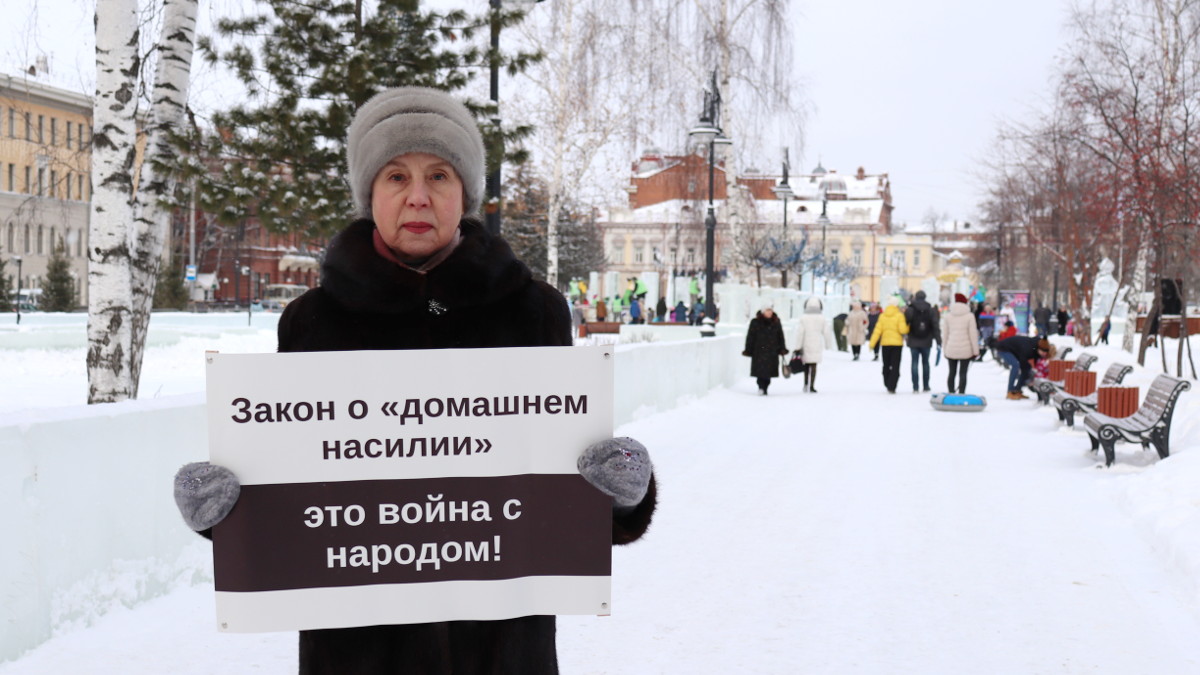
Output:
x=796 y=364
x=785 y=367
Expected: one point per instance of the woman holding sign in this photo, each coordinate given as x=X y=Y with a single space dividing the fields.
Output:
x=418 y=270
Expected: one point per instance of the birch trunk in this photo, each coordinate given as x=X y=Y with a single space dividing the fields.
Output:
x=171 y=82
x=110 y=306
x=558 y=150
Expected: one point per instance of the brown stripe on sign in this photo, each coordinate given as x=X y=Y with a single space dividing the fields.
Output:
x=564 y=529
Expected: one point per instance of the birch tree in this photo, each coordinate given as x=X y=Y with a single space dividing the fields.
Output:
x=110 y=279
x=126 y=232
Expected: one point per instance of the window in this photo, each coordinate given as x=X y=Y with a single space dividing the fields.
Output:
x=12 y=238
x=41 y=189
x=12 y=122
x=12 y=169
x=674 y=255
x=40 y=235
x=27 y=239
x=691 y=256
x=68 y=135
x=916 y=258
x=833 y=252
x=79 y=244
x=41 y=128
x=53 y=131
x=639 y=255
x=53 y=240
x=617 y=257
x=856 y=256
x=28 y=127
x=68 y=182
x=28 y=182
x=79 y=184
x=53 y=183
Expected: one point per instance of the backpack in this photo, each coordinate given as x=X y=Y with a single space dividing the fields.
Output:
x=921 y=328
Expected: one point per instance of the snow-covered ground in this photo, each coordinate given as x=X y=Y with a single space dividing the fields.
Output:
x=848 y=531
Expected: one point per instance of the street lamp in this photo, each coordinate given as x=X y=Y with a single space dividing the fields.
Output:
x=784 y=191
x=17 y=259
x=708 y=131
x=823 y=220
x=491 y=209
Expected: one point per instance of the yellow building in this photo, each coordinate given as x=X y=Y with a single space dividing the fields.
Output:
x=45 y=171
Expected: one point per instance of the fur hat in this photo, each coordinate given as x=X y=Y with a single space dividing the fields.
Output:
x=414 y=119
x=959 y=297
x=1044 y=345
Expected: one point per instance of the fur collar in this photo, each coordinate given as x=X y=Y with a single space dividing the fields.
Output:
x=481 y=270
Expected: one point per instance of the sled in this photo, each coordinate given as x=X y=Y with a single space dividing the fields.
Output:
x=958 y=402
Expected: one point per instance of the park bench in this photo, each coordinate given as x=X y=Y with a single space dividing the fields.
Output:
x=1150 y=424
x=1045 y=388
x=1067 y=405
x=590 y=327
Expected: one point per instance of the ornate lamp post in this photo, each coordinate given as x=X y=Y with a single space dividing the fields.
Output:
x=784 y=191
x=823 y=219
x=708 y=132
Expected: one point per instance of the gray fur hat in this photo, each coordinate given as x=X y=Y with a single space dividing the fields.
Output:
x=414 y=119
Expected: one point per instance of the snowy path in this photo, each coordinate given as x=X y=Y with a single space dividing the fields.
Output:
x=843 y=532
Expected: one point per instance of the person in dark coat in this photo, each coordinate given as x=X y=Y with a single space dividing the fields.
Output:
x=872 y=317
x=1063 y=318
x=1018 y=353
x=680 y=313
x=1041 y=318
x=924 y=329
x=660 y=313
x=764 y=346
x=418 y=270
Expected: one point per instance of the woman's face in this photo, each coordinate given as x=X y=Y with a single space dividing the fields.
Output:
x=417 y=202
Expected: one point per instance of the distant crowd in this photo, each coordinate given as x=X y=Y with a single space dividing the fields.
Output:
x=962 y=332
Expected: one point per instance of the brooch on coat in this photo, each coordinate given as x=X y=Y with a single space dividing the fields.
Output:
x=436 y=308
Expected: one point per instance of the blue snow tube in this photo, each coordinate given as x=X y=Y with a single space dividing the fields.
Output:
x=958 y=402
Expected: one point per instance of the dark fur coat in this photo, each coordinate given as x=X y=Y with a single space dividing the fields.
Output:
x=480 y=296
x=764 y=345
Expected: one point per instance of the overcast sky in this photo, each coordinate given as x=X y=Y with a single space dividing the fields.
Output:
x=914 y=89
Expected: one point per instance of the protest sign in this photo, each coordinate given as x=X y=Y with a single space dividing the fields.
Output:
x=384 y=487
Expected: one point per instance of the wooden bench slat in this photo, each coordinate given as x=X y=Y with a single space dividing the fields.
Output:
x=1150 y=424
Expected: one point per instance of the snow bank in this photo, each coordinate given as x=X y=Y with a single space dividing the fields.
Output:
x=90 y=520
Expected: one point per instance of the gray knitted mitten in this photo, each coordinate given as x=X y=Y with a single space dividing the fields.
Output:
x=205 y=493
x=620 y=468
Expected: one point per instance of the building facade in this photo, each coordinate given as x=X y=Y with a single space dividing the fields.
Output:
x=45 y=170
x=660 y=234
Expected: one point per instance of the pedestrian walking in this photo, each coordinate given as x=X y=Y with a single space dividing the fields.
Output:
x=813 y=337
x=1018 y=353
x=923 y=331
x=765 y=345
x=889 y=332
x=872 y=317
x=960 y=338
x=839 y=331
x=1041 y=318
x=601 y=310
x=856 y=328
x=1063 y=318
x=1104 y=329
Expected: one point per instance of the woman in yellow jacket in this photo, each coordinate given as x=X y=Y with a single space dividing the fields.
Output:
x=889 y=331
